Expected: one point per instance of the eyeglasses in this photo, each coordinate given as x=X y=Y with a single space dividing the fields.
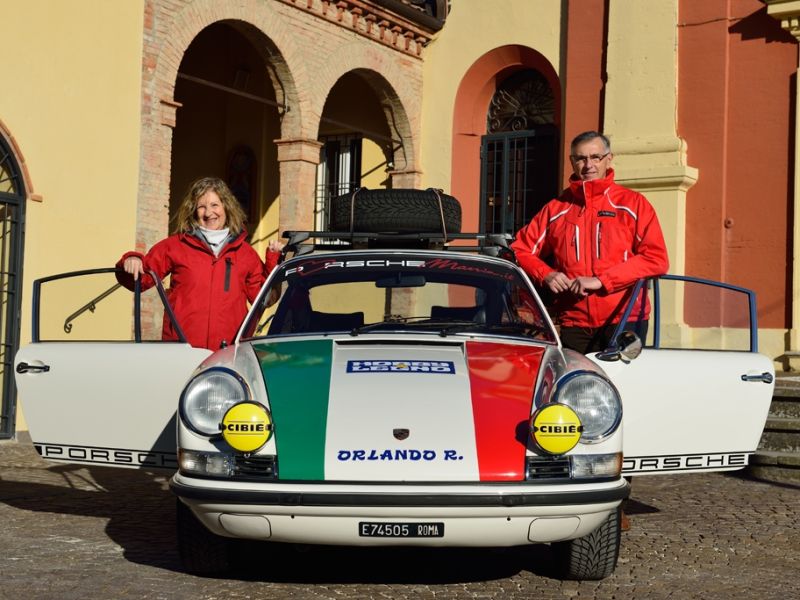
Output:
x=593 y=158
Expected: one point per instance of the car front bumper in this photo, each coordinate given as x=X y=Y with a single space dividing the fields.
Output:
x=471 y=515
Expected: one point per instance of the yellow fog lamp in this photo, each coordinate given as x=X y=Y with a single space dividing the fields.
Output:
x=555 y=428
x=246 y=426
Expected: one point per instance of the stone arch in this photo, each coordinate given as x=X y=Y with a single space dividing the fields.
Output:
x=469 y=116
x=19 y=161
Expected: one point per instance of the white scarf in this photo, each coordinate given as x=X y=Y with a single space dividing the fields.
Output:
x=215 y=238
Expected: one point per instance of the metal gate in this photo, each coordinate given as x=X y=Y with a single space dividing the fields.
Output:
x=339 y=172
x=12 y=220
x=519 y=174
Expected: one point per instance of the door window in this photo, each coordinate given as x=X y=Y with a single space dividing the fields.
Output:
x=92 y=306
x=699 y=314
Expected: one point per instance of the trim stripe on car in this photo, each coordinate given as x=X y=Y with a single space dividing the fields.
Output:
x=502 y=379
x=297 y=376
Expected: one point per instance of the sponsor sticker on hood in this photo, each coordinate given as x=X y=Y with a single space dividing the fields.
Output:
x=401 y=366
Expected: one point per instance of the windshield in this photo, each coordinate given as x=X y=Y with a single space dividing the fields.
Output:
x=363 y=293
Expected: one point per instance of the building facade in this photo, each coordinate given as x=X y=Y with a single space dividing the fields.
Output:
x=112 y=110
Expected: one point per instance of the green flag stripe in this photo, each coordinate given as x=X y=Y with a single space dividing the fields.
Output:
x=298 y=376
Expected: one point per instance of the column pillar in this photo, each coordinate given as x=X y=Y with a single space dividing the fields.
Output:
x=640 y=107
x=649 y=155
x=297 y=159
x=788 y=13
x=405 y=179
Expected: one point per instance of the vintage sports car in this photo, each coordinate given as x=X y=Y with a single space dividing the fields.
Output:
x=403 y=389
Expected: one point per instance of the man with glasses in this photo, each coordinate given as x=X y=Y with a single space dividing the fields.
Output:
x=590 y=245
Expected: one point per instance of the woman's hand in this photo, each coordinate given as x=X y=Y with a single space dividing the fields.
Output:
x=275 y=246
x=134 y=266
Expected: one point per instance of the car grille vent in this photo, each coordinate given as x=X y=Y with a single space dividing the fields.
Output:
x=548 y=467
x=255 y=467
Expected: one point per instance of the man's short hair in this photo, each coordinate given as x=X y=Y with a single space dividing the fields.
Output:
x=588 y=136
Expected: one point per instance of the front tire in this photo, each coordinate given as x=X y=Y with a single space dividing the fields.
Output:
x=201 y=552
x=592 y=556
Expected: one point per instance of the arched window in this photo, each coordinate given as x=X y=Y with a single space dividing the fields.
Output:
x=12 y=213
x=519 y=153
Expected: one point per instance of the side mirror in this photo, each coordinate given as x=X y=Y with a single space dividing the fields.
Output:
x=628 y=347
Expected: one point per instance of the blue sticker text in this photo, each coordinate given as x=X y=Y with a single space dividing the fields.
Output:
x=401 y=366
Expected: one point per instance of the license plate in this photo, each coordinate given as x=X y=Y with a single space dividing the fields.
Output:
x=401 y=530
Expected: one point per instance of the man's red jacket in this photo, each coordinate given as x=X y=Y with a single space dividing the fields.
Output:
x=208 y=294
x=595 y=228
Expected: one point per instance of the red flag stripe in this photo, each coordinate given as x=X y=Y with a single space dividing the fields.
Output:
x=502 y=378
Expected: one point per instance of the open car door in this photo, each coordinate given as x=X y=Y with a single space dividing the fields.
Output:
x=697 y=397
x=92 y=390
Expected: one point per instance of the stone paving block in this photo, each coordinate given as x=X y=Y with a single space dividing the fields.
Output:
x=73 y=532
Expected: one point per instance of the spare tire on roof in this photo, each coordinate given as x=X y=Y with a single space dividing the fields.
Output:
x=396 y=211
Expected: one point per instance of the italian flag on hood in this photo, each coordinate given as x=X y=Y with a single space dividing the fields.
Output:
x=355 y=411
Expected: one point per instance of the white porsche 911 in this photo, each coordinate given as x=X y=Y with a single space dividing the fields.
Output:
x=397 y=390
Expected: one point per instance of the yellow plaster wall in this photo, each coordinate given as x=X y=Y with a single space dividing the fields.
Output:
x=475 y=27
x=71 y=99
x=641 y=113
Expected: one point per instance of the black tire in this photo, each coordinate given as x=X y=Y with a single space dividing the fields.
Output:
x=593 y=556
x=201 y=552
x=395 y=211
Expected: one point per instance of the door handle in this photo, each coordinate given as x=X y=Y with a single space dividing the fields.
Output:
x=24 y=367
x=765 y=377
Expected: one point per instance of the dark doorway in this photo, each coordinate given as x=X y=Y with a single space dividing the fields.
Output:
x=228 y=119
x=519 y=153
x=12 y=217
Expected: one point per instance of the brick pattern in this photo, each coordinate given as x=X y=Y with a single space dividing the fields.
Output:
x=371 y=21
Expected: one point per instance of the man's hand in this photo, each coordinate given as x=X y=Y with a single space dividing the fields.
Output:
x=557 y=282
x=581 y=286
x=133 y=265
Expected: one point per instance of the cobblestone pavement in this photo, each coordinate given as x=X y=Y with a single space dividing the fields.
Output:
x=74 y=532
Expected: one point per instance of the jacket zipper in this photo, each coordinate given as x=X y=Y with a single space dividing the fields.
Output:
x=228 y=273
x=598 y=239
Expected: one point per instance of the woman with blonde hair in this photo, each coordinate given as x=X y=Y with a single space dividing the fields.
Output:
x=215 y=271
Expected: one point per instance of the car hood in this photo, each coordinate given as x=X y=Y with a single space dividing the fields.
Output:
x=363 y=410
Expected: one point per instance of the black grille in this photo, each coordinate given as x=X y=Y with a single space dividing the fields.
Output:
x=255 y=467
x=548 y=467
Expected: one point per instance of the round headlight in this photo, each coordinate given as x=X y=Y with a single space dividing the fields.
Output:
x=594 y=399
x=208 y=397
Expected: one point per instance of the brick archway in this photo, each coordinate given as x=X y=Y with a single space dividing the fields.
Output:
x=469 y=117
x=289 y=38
x=163 y=52
x=399 y=92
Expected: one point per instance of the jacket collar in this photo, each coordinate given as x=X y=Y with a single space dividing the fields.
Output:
x=193 y=239
x=583 y=190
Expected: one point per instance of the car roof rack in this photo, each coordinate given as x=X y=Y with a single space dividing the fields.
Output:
x=305 y=242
